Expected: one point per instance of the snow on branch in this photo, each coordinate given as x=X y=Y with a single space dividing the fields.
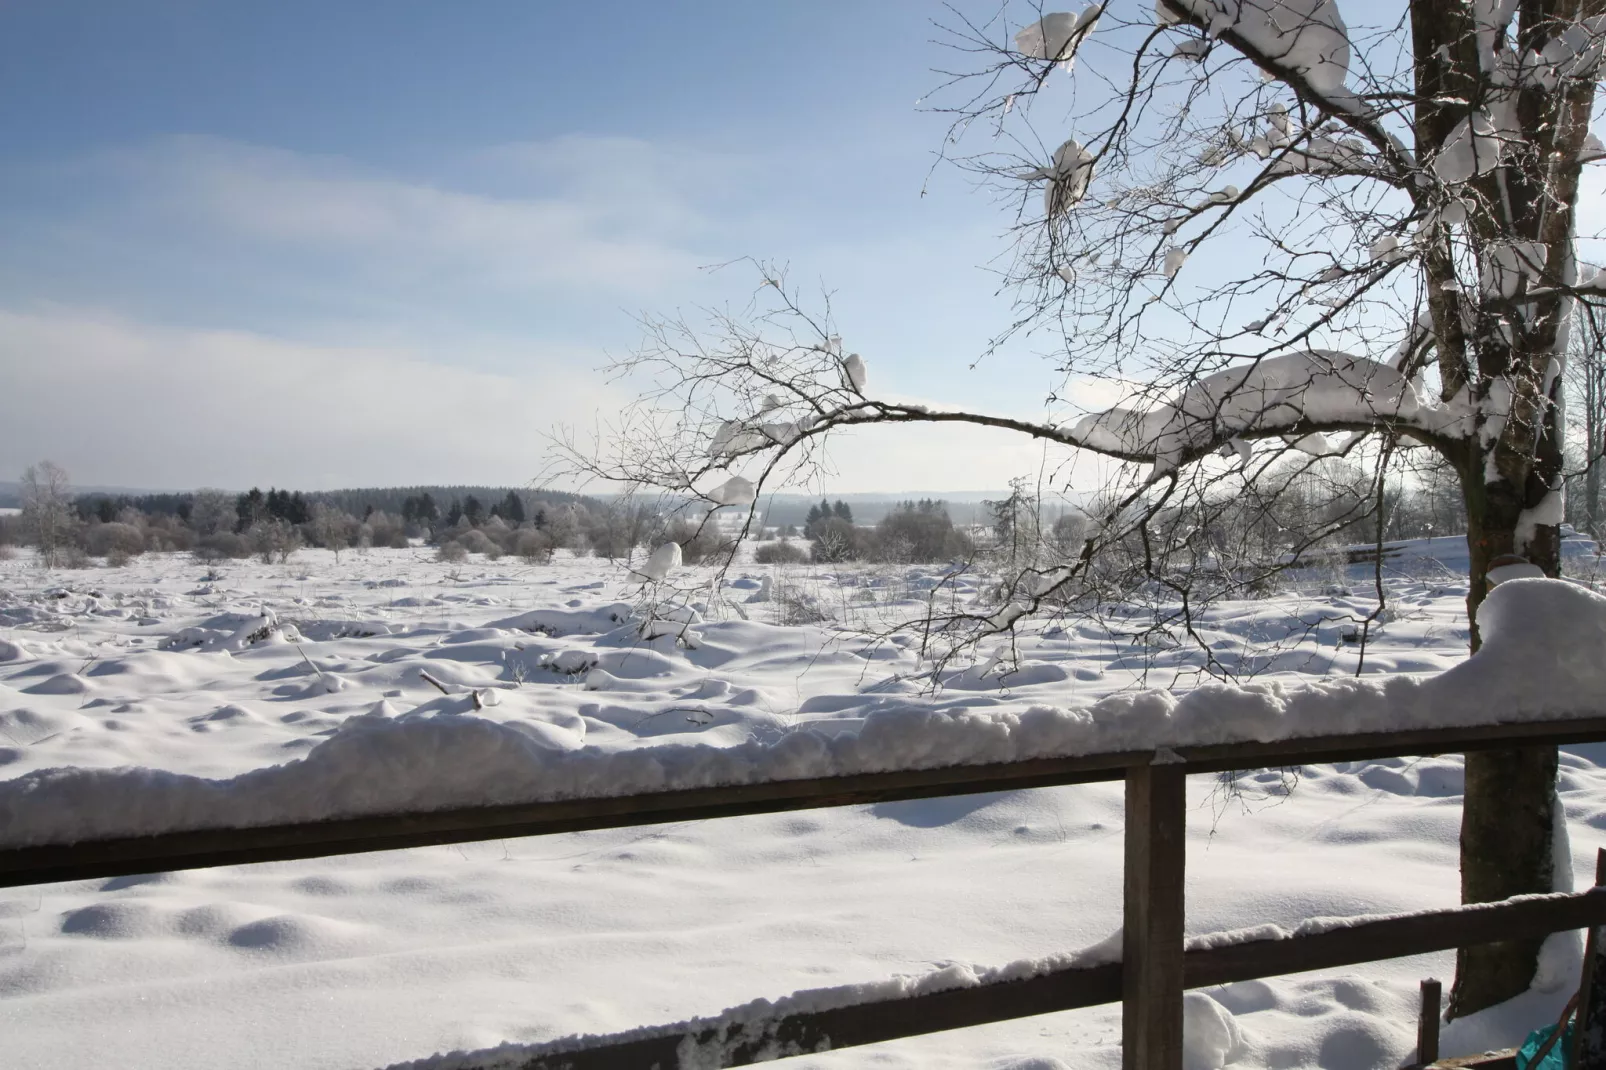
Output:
x=1294 y=394
x=1301 y=43
x=748 y=402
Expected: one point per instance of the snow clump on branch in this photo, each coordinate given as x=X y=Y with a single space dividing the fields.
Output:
x=734 y=491
x=1269 y=396
x=663 y=561
x=854 y=366
x=1306 y=36
x=1057 y=35
x=1068 y=177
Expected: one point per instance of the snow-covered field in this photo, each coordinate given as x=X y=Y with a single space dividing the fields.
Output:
x=364 y=960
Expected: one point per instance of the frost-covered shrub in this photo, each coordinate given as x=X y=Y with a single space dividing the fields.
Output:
x=835 y=539
x=73 y=556
x=118 y=558
x=102 y=540
x=497 y=530
x=699 y=542
x=220 y=545
x=273 y=540
x=7 y=552
x=475 y=541
x=1066 y=536
x=451 y=550
x=384 y=529
x=331 y=528
x=794 y=607
x=780 y=553
x=166 y=533
x=533 y=545
x=610 y=533
x=918 y=533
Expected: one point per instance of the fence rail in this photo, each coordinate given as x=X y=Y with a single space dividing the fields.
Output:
x=745 y=1041
x=205 y=848
x=1155 y=970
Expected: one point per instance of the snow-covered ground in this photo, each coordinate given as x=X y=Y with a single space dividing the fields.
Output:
x=365 y=960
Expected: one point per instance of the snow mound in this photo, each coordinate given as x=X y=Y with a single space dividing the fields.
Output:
x=1210 y=1036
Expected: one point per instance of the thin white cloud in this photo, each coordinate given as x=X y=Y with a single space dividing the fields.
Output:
x=561 y=235
x=643 y=186
x=126 y=403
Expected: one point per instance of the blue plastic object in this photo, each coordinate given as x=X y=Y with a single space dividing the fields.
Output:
x=1555 y=1058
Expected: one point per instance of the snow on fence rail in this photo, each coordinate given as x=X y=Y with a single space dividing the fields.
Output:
x=1539 y=663
x=206 y=847
x=1538 y=680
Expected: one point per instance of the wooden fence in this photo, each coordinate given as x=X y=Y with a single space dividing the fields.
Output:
x=1156 y=966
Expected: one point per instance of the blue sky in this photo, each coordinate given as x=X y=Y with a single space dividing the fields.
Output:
x=319 y=245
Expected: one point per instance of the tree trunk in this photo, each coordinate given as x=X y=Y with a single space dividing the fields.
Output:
x=1508 y=812
x=1506 y=841
x=1594 y=439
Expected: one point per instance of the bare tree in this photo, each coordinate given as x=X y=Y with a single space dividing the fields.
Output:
x=1280 y=236
x=273 y=540
x=330 y=528
x=47 y=512
x=212 y=511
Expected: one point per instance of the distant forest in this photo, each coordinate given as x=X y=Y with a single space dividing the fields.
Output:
x=359 y=501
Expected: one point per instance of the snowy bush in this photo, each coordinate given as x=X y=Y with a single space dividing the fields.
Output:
x=834 y=539
x=918 y=533
x=534 y=546
x=780 y=553
x=101 y=540
x=699 y=542
x=221 y=545
x=384 y=530
x=70 y=556
x=475 y=541
x=272 y=540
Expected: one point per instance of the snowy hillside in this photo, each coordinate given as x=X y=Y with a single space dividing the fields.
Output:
x=364 y=960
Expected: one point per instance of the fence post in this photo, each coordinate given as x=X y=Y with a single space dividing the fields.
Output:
x=1589 y=1031
x=1151 y=972
x=1427 y=1026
